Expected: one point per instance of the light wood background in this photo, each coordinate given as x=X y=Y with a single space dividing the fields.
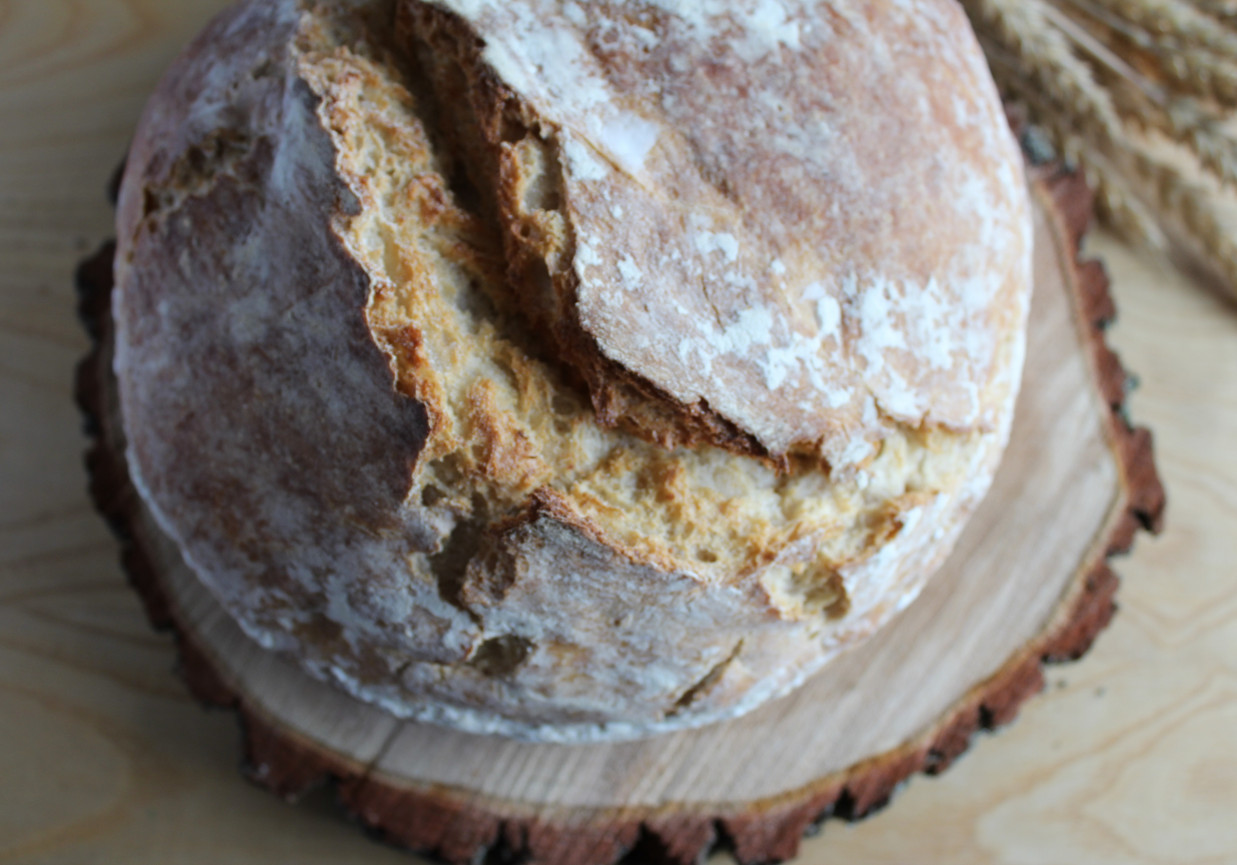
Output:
x=1130 y=757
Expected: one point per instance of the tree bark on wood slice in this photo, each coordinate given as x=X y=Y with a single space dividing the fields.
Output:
x=1029 y=584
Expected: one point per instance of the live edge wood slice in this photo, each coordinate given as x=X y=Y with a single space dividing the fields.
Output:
x=1028 y=584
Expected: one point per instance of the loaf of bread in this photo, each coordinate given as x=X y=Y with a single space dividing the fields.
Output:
x=570 y=369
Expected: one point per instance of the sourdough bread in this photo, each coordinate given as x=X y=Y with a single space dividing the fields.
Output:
x=570 y=370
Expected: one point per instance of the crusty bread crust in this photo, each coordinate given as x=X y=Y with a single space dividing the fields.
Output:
x=744 y=226
x=447 y=394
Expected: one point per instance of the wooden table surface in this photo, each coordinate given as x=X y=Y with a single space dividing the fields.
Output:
x=1130 y=756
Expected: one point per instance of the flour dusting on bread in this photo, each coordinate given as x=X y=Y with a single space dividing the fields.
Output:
x=571 y=370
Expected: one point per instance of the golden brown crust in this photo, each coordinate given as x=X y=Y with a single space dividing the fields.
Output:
x=674 y=230
x=338 y=409
x=498 y=135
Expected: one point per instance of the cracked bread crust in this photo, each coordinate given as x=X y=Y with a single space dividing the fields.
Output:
x=364 y=392
x=729 y=249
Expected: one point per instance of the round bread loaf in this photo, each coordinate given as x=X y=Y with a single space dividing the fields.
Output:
x=570 y=369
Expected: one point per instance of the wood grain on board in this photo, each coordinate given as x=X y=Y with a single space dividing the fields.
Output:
x=1129 y=757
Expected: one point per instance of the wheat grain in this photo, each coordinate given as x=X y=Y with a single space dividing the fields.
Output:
x=1180 y=45
x=1202 y=133
x=1225 y=10
x=1104 y=79
x=1044 y=54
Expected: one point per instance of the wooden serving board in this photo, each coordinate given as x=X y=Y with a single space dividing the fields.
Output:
x=1029 y=583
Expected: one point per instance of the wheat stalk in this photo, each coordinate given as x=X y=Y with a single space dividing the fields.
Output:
x=1114 y=84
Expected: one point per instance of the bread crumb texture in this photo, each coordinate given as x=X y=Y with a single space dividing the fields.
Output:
x=570 y=370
